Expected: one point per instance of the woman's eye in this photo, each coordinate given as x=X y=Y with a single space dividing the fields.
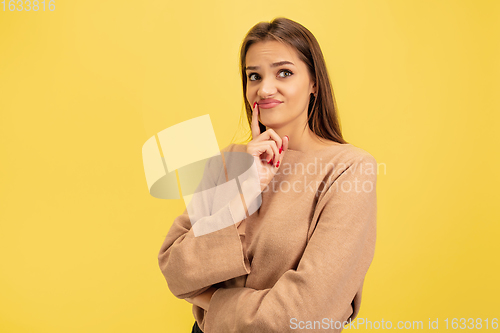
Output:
x=251 y=75
x=285 y=71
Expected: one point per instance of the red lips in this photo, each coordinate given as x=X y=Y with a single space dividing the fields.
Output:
x=268 y=101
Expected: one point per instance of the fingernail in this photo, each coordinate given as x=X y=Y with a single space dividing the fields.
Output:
x=254 y=105
x=281 y=149
x=278 y=164
x=270 y=162
x=287 y=137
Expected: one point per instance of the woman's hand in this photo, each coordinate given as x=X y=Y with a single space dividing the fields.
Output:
x=267 y=149
x=203 y=299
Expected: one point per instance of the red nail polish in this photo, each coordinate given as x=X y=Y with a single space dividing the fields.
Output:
x=270 y=162
x=254 y=105
x=281 y=149
x=278 y=164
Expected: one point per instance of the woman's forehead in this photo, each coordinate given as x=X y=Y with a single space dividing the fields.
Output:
x=270 y=51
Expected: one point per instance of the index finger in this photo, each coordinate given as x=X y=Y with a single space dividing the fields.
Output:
x=285 y=142
x=255 y=121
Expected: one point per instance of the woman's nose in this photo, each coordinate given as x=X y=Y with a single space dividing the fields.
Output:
x=267 y=87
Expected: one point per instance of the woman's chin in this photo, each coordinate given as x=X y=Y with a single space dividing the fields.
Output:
x=273 y=125
x=271 y=121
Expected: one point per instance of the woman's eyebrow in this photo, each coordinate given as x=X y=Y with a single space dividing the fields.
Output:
x=276 y=64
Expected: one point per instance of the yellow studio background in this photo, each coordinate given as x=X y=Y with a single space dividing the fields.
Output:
x=84 y=86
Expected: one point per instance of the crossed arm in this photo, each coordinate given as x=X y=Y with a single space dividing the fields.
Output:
x=203 y=300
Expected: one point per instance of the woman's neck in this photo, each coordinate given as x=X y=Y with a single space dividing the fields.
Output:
x=303 y=139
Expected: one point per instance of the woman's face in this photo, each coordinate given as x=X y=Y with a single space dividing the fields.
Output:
x=274 y=71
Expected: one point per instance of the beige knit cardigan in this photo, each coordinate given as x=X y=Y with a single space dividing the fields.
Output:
x=302 y=261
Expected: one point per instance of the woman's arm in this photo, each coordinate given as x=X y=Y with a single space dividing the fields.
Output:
x=210 y=251
x=203 y=300
x=329 y=275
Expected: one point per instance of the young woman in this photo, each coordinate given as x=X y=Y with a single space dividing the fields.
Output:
x=298 y=263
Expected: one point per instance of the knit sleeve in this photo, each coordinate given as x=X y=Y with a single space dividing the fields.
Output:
x=191 y=261
x=328 y=276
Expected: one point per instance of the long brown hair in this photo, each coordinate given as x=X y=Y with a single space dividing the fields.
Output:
x=322 y=115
